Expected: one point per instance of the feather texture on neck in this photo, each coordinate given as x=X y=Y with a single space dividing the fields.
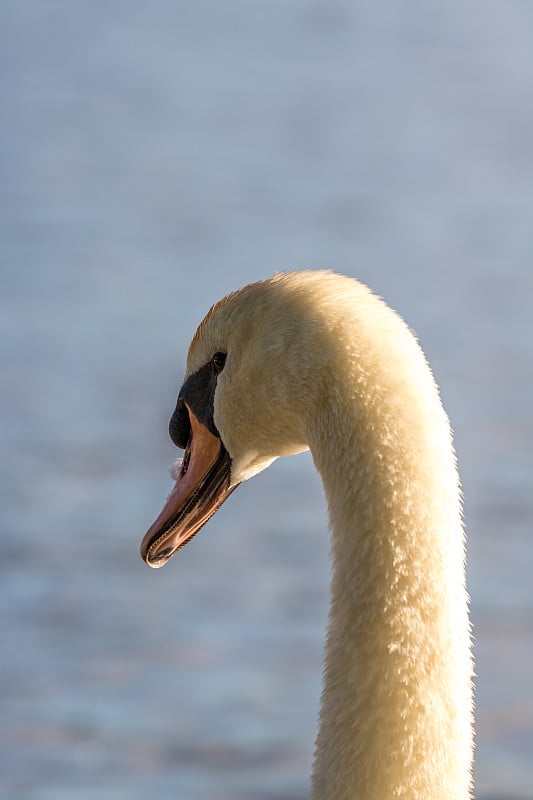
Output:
x=395 y=716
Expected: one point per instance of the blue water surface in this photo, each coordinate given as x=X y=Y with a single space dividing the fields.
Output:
x=154 y=156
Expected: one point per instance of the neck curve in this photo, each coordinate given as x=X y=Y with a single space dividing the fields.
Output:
x=396 y=718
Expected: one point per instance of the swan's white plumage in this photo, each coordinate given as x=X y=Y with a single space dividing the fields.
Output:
x=316 y=360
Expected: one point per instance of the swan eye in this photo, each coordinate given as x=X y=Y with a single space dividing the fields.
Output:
x=218 y=360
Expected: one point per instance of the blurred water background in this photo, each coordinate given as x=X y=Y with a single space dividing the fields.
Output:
x=153 y=157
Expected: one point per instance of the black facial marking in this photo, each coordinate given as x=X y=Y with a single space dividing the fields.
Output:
x=198 y=392
x=180 y=425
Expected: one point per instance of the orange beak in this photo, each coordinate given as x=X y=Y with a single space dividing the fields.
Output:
x=201 y=488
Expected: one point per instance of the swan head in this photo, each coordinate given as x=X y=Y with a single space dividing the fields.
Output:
x=253 y=375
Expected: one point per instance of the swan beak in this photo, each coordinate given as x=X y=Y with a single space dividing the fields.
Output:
x=202 y=486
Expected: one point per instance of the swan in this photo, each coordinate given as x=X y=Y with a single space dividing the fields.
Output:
x=314 y=360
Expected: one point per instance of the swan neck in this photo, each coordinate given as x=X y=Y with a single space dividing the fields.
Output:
x=395 y=719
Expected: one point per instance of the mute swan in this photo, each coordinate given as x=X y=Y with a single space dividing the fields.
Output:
x=311 y=359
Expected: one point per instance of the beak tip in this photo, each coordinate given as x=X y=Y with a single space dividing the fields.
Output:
x=155 y=564
x=157 y=559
